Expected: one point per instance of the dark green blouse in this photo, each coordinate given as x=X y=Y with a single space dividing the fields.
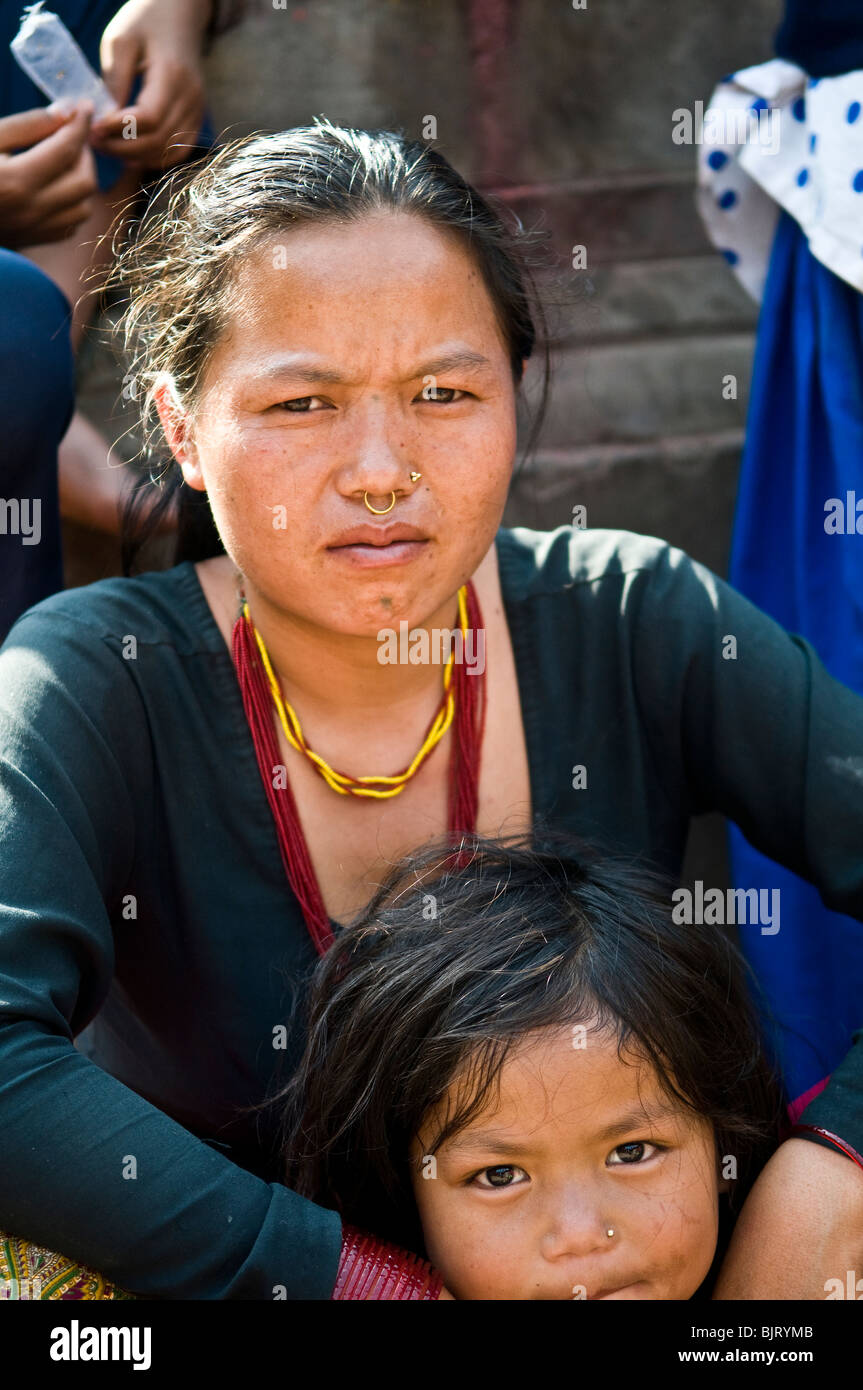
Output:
x=141 y=884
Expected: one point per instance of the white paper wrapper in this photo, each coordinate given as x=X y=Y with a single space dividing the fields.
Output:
x=51 y=58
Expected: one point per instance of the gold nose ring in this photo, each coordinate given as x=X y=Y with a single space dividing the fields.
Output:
x=379 y=511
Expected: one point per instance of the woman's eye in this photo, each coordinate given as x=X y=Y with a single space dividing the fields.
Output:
x=634 y=1152
x=300 y=405
x=442 y=395
x=502 y=1175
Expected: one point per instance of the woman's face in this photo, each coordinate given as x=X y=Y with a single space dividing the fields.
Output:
x=578 y=1142
x=353 y=355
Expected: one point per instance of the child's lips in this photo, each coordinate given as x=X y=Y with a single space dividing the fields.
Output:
x=620 y=1291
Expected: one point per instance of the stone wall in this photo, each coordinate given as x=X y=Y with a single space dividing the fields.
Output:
x=566 y=115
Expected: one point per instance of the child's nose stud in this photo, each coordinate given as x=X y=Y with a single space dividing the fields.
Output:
x=610 y=1232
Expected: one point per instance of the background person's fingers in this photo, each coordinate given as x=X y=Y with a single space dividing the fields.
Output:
x=139 y=133
x=168 y=145
x=36 y=229
x=119 y=58
x=168 y=84
x=163 y=85
x=74 y=186
x=57 y=153
x=25 y=128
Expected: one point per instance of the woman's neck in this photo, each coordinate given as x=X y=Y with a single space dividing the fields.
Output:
x=337 y=674
x=340 y=677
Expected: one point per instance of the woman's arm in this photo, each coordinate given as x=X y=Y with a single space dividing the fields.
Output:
x=810 y=1200
x=748 y=719
x=801 y=1228
x=87 y=1166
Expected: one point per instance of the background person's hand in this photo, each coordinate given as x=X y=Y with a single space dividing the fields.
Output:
x=801 y=1225
x=162 y=39
x=46 y=190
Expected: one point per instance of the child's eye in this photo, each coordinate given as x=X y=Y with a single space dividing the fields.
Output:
x=501 y=1175
x=443 y=395
x=633 y=1152
x=299 y=406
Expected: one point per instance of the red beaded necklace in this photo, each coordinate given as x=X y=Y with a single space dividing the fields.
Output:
x=468 y=725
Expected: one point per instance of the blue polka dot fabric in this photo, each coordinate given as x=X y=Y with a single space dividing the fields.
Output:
x=770 y=138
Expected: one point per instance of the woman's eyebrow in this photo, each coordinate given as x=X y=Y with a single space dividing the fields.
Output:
x=298 y=369
x=464 y=360
x=307 y=369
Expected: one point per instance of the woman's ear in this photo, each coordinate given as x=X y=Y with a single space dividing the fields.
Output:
x=177 y=426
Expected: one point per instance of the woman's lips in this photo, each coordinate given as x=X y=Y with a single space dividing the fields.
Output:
x=364 y=556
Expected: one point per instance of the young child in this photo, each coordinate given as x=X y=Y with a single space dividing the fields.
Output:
x=519 y=1066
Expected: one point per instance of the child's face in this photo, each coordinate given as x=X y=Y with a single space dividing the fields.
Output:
x=577 y=1143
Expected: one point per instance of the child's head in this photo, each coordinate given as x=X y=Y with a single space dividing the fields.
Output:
x=523 y=1066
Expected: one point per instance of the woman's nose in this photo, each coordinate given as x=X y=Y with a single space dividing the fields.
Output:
x=380 y=453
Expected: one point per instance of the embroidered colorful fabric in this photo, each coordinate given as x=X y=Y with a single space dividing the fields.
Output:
x=369 y=1269
x=30 y=1272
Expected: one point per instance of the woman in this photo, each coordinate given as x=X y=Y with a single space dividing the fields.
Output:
x=332 y=326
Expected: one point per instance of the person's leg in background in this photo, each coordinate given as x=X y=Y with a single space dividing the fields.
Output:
x=93 y=479
x=37 y=392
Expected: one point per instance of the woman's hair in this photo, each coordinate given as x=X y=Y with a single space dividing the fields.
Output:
x=451 y=965
x=176 y=274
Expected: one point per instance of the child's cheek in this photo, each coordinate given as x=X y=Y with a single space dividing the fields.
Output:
x=476 y=1250
x=681 y=1236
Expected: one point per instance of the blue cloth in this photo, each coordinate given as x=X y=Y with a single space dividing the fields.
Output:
x=804 y=446
x=37 y=389
x=825 y=38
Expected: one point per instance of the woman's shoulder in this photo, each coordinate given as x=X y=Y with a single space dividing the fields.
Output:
x=534 y=563
x=159 y=608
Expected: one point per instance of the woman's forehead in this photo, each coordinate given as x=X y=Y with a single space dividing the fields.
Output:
x=335 y=289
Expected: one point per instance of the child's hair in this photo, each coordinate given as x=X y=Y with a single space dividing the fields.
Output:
x=453 y=964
